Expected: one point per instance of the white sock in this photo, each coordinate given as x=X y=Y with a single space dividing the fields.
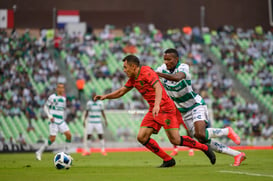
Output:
x=67 y=146
x=42 y=148
x=102 y=142
x=216 y=132
x=221 y=148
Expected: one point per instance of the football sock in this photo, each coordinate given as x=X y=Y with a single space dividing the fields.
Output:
x=42 y=148
x=216 y=132
x=152 y=145
x=49 y=143
x=221 y=148
x=67 y=145
x=189 y=142
x=102 y=142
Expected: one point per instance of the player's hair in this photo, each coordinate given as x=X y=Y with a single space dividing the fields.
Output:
x=172 y=50
x=131 y=59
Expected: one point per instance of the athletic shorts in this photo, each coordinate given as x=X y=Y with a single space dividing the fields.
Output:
x=55 y=128
x=94 y=126
x=165 y=120
x=199 y=113
x=180 y=119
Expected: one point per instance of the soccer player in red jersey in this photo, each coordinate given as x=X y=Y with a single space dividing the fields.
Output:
x=162 y=111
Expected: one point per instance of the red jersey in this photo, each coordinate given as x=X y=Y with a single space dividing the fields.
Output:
x=144 y=82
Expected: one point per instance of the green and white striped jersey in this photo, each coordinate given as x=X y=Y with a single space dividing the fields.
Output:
x=57 y=105
x=181 y=92
x=94 y=109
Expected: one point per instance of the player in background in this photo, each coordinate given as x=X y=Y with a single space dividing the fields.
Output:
x=93 y=121
x=177 y=82
x=162 y=111
x=55 y=109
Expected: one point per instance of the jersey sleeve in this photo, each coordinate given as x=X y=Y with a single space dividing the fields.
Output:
x=49 y=101
x=159 y=69
x=185 y=69
x=151 y=77
x=88 y=106
x=129 y=83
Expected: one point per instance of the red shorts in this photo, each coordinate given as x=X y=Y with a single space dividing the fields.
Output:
x=180 y=119
x=167 y=120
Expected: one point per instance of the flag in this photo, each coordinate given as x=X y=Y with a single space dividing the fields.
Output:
x=6 y=18
x=67 y=16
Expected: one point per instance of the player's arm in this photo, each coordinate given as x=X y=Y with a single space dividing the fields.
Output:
x=158 y=97
x=46 y=109
x=172 y=77
x=84 y=117
x=104 y=117
x=114 y=95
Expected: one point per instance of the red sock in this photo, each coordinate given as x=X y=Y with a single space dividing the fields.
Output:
x=189 y=142
x=152 y=145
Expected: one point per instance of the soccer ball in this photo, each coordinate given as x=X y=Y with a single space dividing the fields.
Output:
x=62 y=160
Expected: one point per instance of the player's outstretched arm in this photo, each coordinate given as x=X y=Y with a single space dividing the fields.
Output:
x=113 y=95
x=50 y=117
x=172 y=77
x=158 y=97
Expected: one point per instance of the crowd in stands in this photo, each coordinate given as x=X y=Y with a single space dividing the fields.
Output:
x=29 y=72
x=28 y=75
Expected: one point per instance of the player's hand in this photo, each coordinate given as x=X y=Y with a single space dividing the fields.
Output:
x=52 y=120
x=155 y=111
x=99 y=97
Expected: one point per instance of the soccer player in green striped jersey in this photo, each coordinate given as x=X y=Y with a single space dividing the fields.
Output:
x=176 y=79
x=55 y=108
x=93 y=121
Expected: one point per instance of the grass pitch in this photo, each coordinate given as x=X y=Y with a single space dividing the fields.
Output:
x=137 y=166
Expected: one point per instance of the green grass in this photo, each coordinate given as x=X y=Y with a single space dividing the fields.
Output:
x=137 y=166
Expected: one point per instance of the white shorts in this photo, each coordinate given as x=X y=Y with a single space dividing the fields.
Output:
x=199 y=113
x=55 y=128
x=94 y=126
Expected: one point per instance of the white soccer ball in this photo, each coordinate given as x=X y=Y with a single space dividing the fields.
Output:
x=62 y=160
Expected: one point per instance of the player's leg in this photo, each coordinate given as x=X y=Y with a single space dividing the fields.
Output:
x=171 y=127
x=53 y=130
x=222 y=148
x=67 y=140
x=102 y=142
x=144 y=137
x=176 y=139
x=219 y=132
x=88 y=138
x=147 y=128
x=99 y=129
x=63 y=128
x=204 y=135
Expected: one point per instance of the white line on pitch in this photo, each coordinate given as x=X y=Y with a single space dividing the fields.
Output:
x=246 y=173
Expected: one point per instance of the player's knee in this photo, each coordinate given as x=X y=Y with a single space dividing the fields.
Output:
x=201 y=137
x=52 y=139
x=175 y=141
x=141 y=139
x=68 y=136
x=100 y=136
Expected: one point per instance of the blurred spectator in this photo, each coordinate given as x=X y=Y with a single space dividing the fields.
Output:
x=29 y=111
x=267 y=131
x=21 y=141
x=80 y=86
x=40 y=139
x=13 y=144
x=124 y=133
